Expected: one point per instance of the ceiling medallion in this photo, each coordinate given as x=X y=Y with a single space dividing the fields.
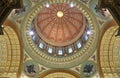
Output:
x=59 y=55
x=60 y=14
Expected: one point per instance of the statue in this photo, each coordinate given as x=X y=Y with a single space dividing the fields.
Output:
x=31 y=69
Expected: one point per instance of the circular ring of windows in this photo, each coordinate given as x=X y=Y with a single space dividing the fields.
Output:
x=61 y=51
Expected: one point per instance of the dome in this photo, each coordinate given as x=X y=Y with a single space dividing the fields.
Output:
x=60 y=24
x=60 y=33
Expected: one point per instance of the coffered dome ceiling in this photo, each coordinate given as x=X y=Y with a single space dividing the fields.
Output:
x=59 y=74
x=60 y=24
x=59 y=33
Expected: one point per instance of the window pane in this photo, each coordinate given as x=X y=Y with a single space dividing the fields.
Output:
x=50 y=50
x=70 y=50
x=41 y=45
x=86 y=37
x=79 y=45
x=60 y=52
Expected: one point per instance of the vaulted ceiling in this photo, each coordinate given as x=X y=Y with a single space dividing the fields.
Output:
x=59 y=39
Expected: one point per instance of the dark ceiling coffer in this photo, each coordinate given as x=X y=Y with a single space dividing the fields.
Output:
x=6 y=6
x=114 y=7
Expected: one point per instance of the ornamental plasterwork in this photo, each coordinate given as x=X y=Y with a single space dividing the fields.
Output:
x=70 y=61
